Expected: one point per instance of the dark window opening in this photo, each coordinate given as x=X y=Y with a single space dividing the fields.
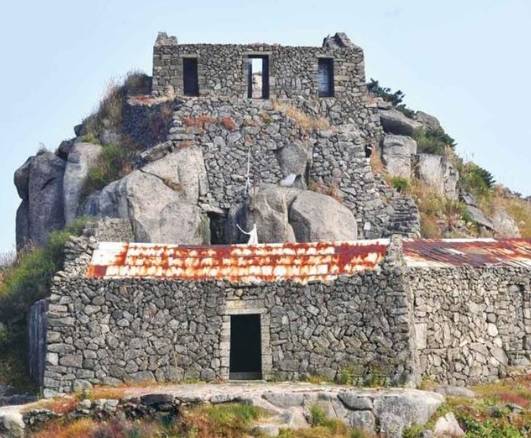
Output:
x=190 y=77
x=258 y=77
x=326 y=77
x=245 y=347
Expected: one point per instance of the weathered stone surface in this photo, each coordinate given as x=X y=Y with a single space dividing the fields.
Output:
x=338 y=41
x=401 y=410
x=11 y=424
x=394 y=122
x=81 y=158
x=294 y=159
x=455 y=391
x=269 y=211
x=355 y=401
x=183 y=169
x=397 y=151
x=157 y=210
x=428 y=121
x=477 y=216
x=21 y=178
x=504 y=225
x=447 y=426
x=40 y=182
x=316 y=217
x=438 y=173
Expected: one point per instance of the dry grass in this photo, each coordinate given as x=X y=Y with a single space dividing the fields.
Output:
x=81 y=428
x=331 y=190
x=230 y=420
x=201 y=121
x=377 y=164
x=520 y=210
x=303 y=120
x=513 y=390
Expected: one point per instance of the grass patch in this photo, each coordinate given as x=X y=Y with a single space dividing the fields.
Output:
x=25 y=281
x=439 y=216
x=231 y=420
x=113 y=163
x=110 y=112
x=116 y=428
x=304 y=121
x=400 y=184
x=28 y=279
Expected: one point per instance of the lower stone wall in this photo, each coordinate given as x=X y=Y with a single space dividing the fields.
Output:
x=471 y=323
x=108 y=331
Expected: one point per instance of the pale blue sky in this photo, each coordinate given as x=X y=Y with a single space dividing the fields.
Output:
x=466 y=61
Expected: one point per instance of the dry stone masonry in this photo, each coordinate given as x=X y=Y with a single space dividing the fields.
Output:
x=406 y=319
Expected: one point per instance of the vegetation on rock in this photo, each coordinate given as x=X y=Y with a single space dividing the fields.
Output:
x=395 y=98
x=430 y=141
x=22 y=283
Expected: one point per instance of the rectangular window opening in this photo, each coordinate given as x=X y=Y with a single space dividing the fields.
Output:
x=190 y=77
x=258 y=77
x=245 y=347
x=326 y=77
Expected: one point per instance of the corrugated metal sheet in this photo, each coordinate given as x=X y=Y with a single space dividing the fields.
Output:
x=472 y=252
x=298 y=262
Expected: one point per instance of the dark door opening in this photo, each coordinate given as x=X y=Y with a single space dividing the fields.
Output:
x=190 y=77
x=258 y=77
x=245 y=347
x=326 y=77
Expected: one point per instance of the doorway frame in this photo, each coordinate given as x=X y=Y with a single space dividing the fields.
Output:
x=266 y=66
x=246 y=307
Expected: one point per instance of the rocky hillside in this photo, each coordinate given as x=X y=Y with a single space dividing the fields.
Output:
x=455 y=198
x=200 y=171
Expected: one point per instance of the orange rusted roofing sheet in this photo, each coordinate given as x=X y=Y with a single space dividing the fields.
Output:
x=472 y=252
x=298 y=262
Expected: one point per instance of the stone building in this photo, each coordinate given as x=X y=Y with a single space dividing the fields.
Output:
x=456 y=311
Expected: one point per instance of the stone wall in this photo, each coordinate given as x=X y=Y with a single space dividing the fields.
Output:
x=292 y=75
x=457 y=325
x=471 y=323
x=110 y=331
x=273 y=141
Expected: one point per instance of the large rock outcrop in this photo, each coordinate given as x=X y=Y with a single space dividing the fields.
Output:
x=283 y=214
x=438 y=173
x=80 y=159
x=394 y=122
x=504 y=225
x=397 y=152
x=159 y=200
x=39 y=183
x=316 y=217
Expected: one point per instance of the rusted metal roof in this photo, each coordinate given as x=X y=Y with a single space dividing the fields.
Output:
x=297 y=262
x=472 y=252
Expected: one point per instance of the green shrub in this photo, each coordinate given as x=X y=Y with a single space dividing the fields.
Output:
x=113 y=163
x=400 y=184
x=28 y=280
x=476 y=180
x=396 y=98
x=433 y=141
